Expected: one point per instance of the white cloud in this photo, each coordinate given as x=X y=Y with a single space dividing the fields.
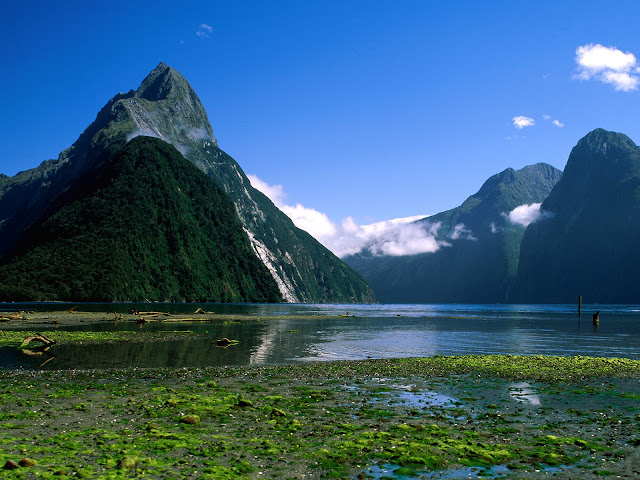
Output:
x=460 y=232
x=198 y=133
x=526 y=214
x=621 y=80
x=312 y=221
x=520 y=122
x=204 y=30
x=557 y=123
x=608 y=65
x=594 y=57
x=400 y=236
x=316 y=223
x=274 y=192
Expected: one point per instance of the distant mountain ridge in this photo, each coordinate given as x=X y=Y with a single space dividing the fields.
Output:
x=477 y=261
x=166 y=107
x=583 y=239
x=151 y=226
x=588 y=245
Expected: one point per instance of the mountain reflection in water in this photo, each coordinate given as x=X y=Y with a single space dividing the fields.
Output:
x=303 y=333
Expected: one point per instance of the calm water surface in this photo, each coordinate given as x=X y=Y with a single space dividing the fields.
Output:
x=370 y=331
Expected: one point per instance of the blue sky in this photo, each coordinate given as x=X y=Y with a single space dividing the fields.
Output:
x=364 y=109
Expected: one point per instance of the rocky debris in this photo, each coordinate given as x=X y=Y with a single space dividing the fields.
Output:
x=10 y=465
x=190 y=419
x=127 y=462
x=277 y=413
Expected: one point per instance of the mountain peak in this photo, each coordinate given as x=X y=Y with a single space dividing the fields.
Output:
x=596 y=154
x=506 y=176
x=164 y=82
x=587 y=246
x=602 y=141
x=511 y=188
x=167 y=107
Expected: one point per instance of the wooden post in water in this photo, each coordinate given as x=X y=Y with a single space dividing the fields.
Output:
x=579 y=305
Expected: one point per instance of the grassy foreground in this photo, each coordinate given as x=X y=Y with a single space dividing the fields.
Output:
x=505 y=416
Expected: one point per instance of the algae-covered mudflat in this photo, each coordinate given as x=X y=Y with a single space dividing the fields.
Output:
x=434 y=417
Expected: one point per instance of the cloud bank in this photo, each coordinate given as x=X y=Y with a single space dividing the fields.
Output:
x=527 y=214
x=395 y=237
x=312 y=221
x=608 y=65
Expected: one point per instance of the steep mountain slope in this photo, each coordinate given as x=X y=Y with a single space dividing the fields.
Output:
x=588 y=245
x=150 y=226
x=165 y=106
x=479 y=246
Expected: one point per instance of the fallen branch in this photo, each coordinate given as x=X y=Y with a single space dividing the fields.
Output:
x=47 y=342
x=40 y=351
x=202 y=312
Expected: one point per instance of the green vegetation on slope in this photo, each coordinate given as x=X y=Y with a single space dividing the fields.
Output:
x=151 y=227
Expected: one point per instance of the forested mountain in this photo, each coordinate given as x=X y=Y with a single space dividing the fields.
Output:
x=588 y=243
x=149 y=226
x=166 y=107
x=479 y=246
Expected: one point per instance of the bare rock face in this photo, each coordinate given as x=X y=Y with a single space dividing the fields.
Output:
x=166 y=107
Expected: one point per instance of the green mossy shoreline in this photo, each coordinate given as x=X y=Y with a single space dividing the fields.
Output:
x=575 y=417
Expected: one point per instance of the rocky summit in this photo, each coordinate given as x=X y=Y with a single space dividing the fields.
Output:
x=587 y=244
x=166 y=107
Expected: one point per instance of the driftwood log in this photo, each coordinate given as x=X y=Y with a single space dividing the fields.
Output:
x=38 y=337
x=40 y=350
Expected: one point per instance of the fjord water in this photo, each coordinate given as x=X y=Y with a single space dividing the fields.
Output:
x=291 y=333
